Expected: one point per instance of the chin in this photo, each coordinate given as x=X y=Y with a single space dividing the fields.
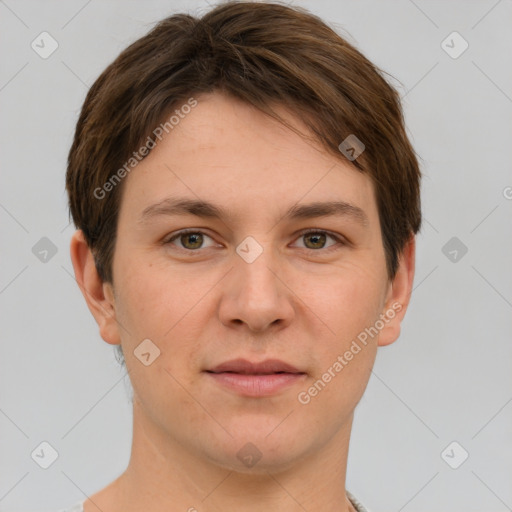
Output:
x=258 y=449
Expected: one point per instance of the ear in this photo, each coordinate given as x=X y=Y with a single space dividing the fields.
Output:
x=98 y=295
x=399 y=294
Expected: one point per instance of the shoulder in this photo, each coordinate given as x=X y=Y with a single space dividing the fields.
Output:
x=78 y=507
x=357 y=504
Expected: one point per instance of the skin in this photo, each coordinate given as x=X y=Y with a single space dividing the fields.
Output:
x=303 y=300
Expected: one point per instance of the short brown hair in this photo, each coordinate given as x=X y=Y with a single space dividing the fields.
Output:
x=263 y=54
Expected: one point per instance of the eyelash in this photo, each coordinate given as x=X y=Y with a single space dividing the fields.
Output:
x=340 y=241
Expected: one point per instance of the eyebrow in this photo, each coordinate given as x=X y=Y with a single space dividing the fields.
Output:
x=199 y=208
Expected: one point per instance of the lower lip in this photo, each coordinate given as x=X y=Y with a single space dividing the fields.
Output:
x=256 y=385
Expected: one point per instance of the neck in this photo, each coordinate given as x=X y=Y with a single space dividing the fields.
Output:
x=165 y=476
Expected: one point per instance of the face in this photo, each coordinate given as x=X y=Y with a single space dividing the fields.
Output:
x=260 y=276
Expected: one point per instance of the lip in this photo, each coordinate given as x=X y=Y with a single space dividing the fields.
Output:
x=256 y=379
x=244 y=366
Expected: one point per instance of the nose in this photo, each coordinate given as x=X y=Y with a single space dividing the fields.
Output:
x=256 y=294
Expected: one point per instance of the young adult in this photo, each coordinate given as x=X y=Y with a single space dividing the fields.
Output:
x=246 y=201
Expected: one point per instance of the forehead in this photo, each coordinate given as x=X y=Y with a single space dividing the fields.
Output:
x=228 y=152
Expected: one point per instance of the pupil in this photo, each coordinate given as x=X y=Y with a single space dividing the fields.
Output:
x=192 y=236
x=316 y=236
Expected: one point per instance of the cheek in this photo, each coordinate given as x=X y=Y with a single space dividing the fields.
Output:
x=154 y=306
x=154 y=300
x=348 y=304
x=348 y=298
x=168 y=308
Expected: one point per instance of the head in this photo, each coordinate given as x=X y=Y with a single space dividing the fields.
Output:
x=252 y=108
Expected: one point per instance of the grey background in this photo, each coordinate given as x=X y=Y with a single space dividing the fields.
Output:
x=448 y=378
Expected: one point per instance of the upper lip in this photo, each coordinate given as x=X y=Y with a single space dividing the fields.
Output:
x=244 y=366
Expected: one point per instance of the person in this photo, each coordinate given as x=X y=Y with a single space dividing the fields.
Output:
x=246 y=202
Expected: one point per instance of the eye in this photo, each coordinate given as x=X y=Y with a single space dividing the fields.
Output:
x=189 y=238
x=192 y=240
x=316 y=239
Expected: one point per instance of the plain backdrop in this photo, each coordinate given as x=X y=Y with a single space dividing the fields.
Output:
x=442 y=392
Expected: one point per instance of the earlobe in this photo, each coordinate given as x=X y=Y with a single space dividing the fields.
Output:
x=98 y=295
x=399 y=294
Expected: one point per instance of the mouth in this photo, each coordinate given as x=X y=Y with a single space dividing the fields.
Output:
x=253 y=379
x=246 y=367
